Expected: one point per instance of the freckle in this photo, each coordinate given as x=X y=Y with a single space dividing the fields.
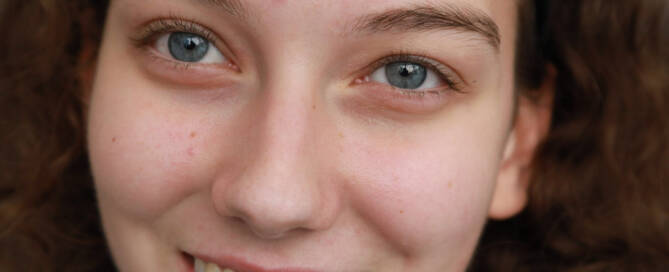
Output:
x=313 y=107
x=341 y=135
x=193 y=134
x=450 y=184
x=113 y=139
x=401 y=211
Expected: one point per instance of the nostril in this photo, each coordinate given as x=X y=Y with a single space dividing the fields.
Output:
x=275 y=196
x=264 y=229
x=267 y=235
x=257 y=227
x=237 y=219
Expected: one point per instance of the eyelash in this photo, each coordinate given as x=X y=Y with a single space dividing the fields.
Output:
x=164 y=26
x=170 y=24
x=441 y=70
x=154 y=29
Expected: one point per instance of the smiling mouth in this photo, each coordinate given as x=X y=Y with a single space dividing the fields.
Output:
x=198 y=265
x=202 y=266
x=204 y=263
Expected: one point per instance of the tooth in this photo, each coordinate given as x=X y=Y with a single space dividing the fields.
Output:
x=199 y=265
x=212 y=268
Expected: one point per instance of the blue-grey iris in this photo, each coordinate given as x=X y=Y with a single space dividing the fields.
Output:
x=406 y=75
x=188 y=47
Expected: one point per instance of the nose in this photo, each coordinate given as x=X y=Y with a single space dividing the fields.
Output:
x=281 y=188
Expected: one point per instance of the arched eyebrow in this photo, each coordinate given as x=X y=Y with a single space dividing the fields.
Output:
x=423 y=18
x=416 y=18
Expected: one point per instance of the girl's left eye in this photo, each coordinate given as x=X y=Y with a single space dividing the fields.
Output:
x=188 y=47
x=407 y=75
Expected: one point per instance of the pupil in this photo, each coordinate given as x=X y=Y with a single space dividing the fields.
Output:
x=405 y=72
x=188 y=47
x=406 y=75
x=190 y=44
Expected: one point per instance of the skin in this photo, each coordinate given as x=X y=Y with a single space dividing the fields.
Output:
x=283 y=158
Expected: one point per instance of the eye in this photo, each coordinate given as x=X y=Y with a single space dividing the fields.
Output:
x=407 y=75
x=188 y=47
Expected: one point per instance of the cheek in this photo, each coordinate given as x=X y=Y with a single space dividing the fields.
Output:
x=140 y=160
x=429 y=193
x=418 y=201
x=146 y=151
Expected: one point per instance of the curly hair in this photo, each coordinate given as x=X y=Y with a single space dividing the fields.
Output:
x=598 y=197
x=598 y=194
x=48 y=215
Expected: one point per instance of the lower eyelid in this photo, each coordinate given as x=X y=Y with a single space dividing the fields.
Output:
x=156 y=56
x=378 y=98
x=199 y=75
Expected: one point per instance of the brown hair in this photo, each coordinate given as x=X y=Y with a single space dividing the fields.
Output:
x=48 y=215
x=598 y=196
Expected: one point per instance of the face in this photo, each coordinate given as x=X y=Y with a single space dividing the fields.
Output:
x=293 y=135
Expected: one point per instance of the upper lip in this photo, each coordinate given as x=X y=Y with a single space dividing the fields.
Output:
x=240 y=265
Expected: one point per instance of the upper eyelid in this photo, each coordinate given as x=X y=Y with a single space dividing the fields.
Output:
x=446 y=73
x=163 y=25
x=149 y=31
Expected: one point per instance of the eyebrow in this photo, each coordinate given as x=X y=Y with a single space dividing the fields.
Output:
x=234 y=8
x=417 y=18
x=423 y=18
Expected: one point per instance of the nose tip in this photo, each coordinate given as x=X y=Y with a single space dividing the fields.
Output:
x=272 y=206
x=273 y=215
x=272 y=222
x=275 y=187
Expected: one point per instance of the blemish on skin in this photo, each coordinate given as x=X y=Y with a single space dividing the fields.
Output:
x=193 y=134
x=340 y=135
x=401 y=211
x=113 y=139
x=190 y=152
x=450 y=184
x=313 y=107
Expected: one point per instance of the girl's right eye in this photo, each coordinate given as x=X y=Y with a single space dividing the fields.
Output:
x=188 y=47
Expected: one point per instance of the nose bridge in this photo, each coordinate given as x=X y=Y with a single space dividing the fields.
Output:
x=279 y=189
x=286 y=127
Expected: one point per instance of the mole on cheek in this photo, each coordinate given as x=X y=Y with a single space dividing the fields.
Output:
x=113 y=139
x=193 y=134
